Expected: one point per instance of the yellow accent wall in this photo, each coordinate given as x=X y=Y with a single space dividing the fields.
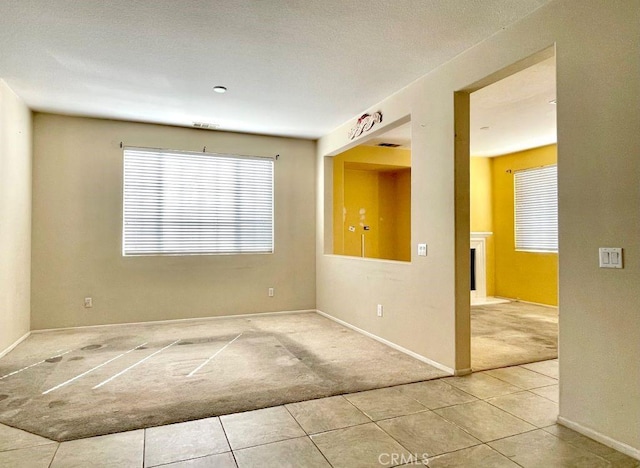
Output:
x=529 y=276
x=372 y=187
x=481 y=200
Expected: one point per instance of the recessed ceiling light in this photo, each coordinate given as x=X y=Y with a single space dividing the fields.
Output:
x=220 y=89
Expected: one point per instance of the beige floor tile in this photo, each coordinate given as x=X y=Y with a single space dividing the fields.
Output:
x=385 y=403
x=260 y=427
x=220 y=460
x=548 y=368
x=31 y=457
x=182 y=441
x=360 y=446
x=532 y=408
x=11 y=439
x=292 y=453
x=326 y=414
x=539 y=448
x=121 y=450
x=483 y=421
x=436 y=394
x=482 y=385
x=619 y=460
x=550 y=392
x=523 y=378
x=427 y=433
x=480 y=456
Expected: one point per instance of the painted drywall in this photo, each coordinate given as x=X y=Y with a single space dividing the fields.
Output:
x=426 y=307
x=528 y=276
x=481 y=206
x=77 y=231
x=372 y=187
x=15 y=217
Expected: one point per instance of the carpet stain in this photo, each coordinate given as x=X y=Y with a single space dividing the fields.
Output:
x=54 y=359
x=3 y=397
x=76 y=358
x=56 y=403
x=91 y=347
x=17 y=402
x=141 y=347
x=182 y=343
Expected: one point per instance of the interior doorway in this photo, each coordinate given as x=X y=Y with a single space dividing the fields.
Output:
x=513 y=255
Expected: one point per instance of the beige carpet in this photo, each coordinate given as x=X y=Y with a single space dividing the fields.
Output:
x=72 y=384
x=513 y=333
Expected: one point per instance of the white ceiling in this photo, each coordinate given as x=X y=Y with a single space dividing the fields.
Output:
x=293 y=67
x=517 y=110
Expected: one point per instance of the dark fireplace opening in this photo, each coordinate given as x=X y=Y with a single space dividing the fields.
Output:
x=473 y=269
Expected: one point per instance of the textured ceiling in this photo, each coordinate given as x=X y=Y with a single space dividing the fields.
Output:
x=293 y=67
x=513 y=114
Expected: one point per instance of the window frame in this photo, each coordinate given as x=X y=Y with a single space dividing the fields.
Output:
x=521 y=245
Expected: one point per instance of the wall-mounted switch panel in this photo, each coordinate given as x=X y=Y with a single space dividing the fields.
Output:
x=422 y=250
x=610 y=257
x=271 y=292
x=379 y=310
x=88 y=302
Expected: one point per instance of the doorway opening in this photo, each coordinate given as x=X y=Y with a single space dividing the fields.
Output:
x=513 y=219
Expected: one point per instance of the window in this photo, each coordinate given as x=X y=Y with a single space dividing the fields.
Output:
x=179 y=203
x=536 y=209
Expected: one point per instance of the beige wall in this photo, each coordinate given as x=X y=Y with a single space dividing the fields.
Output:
x=15 y=217
x=598 y=59
x=77 y=231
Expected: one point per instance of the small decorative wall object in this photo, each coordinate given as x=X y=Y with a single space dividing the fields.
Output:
x=364 y=124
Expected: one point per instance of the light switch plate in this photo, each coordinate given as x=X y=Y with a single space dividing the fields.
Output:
x=422 y=250
x=610 y=257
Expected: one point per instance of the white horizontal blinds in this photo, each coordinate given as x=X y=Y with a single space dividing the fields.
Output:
x=536 y=209
x=196 y=203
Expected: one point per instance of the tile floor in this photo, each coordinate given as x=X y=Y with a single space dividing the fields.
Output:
x=499 y=418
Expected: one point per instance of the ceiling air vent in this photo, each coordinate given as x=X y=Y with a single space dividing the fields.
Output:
x=389 y=145
x=205 y=125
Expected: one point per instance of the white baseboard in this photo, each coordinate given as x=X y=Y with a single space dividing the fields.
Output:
x=417 y=356
x=20 y=340
x=603 y=439
x=191 y=319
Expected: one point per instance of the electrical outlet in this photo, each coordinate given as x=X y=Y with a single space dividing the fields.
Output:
x=380 y=310
x=271 y=292
x=88 y=302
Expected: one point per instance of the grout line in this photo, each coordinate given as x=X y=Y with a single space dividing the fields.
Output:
x=577 y=446
x=54 y=454
x=134 y=365
x=224 y=431
x=308 y=436
x=144 y=446
x=175 y=462
x=89 y=371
